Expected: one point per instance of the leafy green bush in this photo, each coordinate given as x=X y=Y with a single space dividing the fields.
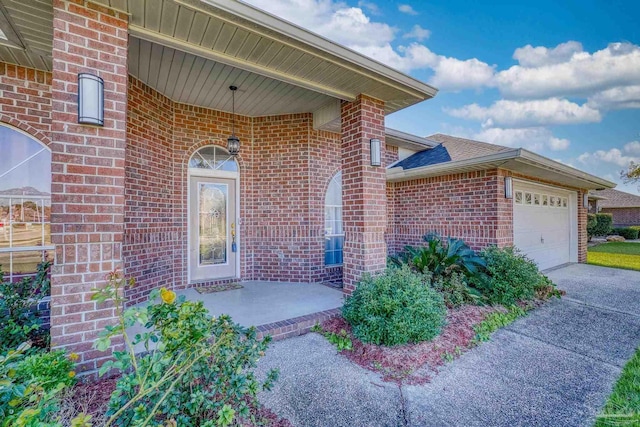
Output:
x=592 y=224
x=511 y=276
x=456 y=291
x=32 y=399
x=603 y=224
x=396 y=307
x=49 y=369
x=18 y=321
x=200 y=374
x=627 y=232
x=441 y=257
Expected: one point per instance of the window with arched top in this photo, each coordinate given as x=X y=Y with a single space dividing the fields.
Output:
x=334 y=233
x=213 y=158
x=25 y=203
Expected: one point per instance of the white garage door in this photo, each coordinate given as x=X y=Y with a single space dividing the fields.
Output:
x=543 y=228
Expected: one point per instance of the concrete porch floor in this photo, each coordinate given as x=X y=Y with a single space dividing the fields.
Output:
x=279 y=309
x=260 y=303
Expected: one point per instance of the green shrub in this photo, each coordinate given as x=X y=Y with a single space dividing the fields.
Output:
x=18 y=321
x=627 y=232
x=28 y=400
x=603 y=224
x=592 y=224
x=396 y=307
x=456 y=291
x=441 y=257
x=201 y=373
x=511 y=276
x=49 y=369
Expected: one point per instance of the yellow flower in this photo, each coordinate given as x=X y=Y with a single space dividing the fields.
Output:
x=72 y=374
x=167 y=296
x=74 y=357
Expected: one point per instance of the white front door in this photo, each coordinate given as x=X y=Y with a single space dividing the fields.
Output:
x=213 y=245
x=543 y=220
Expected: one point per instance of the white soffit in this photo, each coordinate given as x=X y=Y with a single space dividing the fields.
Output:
x=237 y=35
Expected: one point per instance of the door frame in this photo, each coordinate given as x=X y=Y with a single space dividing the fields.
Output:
x=208 y=173
x=573 y=214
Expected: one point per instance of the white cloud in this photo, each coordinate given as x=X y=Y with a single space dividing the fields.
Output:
x=529 y=56
x=617 y=98
x=581 y=74
x=553 y=111
x=372 y=8
x=632 y=147
x=456 y=74
x=614 y=156
x=418 y=33
x=406 y=8
x=532 y=138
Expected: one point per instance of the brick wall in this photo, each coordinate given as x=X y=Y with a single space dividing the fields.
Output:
x=152 y=234
x=623 y=217
x=87 y=221
x=461 y=205
x=25 y=100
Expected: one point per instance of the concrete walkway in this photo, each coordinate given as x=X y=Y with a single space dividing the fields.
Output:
x=554 y=367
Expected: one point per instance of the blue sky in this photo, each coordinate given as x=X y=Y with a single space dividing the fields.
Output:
x=561 y=78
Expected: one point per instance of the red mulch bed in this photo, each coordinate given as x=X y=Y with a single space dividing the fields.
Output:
x=92 y=397
x=415 y=363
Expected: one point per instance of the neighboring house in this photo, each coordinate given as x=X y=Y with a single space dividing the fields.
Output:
x=154 y=190
x=624 y=207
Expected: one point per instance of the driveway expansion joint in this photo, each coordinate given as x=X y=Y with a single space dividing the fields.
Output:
x=586 y=356
x=599 y=307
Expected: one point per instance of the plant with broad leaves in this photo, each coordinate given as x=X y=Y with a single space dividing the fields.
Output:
x=442 y=257
x=199 y=374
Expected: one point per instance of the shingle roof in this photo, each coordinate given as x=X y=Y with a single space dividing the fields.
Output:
x=617 y=199
x=450 y=149
x=433 y=156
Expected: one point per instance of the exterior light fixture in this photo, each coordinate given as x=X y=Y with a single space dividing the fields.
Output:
x=585 y=200
x=375 y=152
x=90 y=99
x=508 y=187
x=233 y=143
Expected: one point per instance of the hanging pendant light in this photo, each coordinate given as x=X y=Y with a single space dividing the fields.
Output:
x=233 y=143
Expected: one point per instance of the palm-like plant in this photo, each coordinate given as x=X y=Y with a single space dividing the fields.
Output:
x=441 y=257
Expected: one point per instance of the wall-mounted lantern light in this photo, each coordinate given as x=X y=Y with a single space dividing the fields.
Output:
x=375 y=152
x=233 y=143
x=585 y=200
x=508 y=187
x=90 y=99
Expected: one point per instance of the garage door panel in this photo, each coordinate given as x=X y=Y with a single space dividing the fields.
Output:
x=542 y=224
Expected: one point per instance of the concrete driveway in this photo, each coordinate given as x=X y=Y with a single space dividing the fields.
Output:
x=554 y=367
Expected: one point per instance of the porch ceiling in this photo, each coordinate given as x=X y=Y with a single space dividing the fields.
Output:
x=177 y=46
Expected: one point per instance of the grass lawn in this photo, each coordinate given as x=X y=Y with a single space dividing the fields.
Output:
x=615 y=254
x=623 y=406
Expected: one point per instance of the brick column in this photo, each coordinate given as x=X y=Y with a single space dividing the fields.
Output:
x=582 y=228
x=364 y=186
x=87 y=172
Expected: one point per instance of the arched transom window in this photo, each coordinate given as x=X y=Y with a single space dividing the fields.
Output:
x=334 y=234
x=213 y=158
x=25 y=203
